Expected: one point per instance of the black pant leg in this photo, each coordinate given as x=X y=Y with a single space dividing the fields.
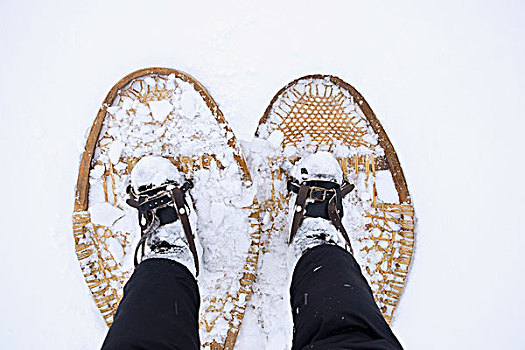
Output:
x=333 y=306
x=159 y=309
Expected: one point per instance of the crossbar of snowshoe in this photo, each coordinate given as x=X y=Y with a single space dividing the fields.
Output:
x=368 y=164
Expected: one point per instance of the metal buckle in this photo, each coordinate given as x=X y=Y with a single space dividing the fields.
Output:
x=319 y=189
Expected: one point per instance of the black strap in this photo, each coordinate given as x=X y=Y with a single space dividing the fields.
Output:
x=299 y=210
x=182 y=213
x=336 y=220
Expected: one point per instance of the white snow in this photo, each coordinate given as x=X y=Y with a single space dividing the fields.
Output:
x=275 y=138
x=105 y=214
x=160 y=109
x=444 y=78
x=188 y=103
x=155 y=171
x=319 y=166
x=115 y=150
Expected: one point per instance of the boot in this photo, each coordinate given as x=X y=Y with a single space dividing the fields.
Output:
x=160 y=193
x=317 y=187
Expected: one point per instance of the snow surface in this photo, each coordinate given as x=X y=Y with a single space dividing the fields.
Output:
x=445 y=78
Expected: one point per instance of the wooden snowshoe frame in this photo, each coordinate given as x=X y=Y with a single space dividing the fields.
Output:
x=320 y=113
x=99 y=267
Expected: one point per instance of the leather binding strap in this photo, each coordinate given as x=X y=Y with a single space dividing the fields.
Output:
x=326 y=196
x=182 y=213
x=299 y=209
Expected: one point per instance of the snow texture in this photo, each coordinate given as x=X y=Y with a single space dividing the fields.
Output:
x=318 y=166
x=104 y=214
x=444 y=78
x=154 y=171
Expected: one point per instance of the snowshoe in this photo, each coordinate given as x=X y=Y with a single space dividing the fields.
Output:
x=322 y=113
x=166 y=113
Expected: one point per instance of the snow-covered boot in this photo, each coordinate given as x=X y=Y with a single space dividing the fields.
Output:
x=160 y=194
x=317 y=182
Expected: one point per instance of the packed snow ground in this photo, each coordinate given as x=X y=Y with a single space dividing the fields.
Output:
x=445 y=78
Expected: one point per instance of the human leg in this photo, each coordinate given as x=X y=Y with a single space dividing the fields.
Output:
x=333 y=306
x=160 y=306
x=159 y=309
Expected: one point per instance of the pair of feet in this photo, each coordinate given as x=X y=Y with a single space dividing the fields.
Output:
x=168 y=221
